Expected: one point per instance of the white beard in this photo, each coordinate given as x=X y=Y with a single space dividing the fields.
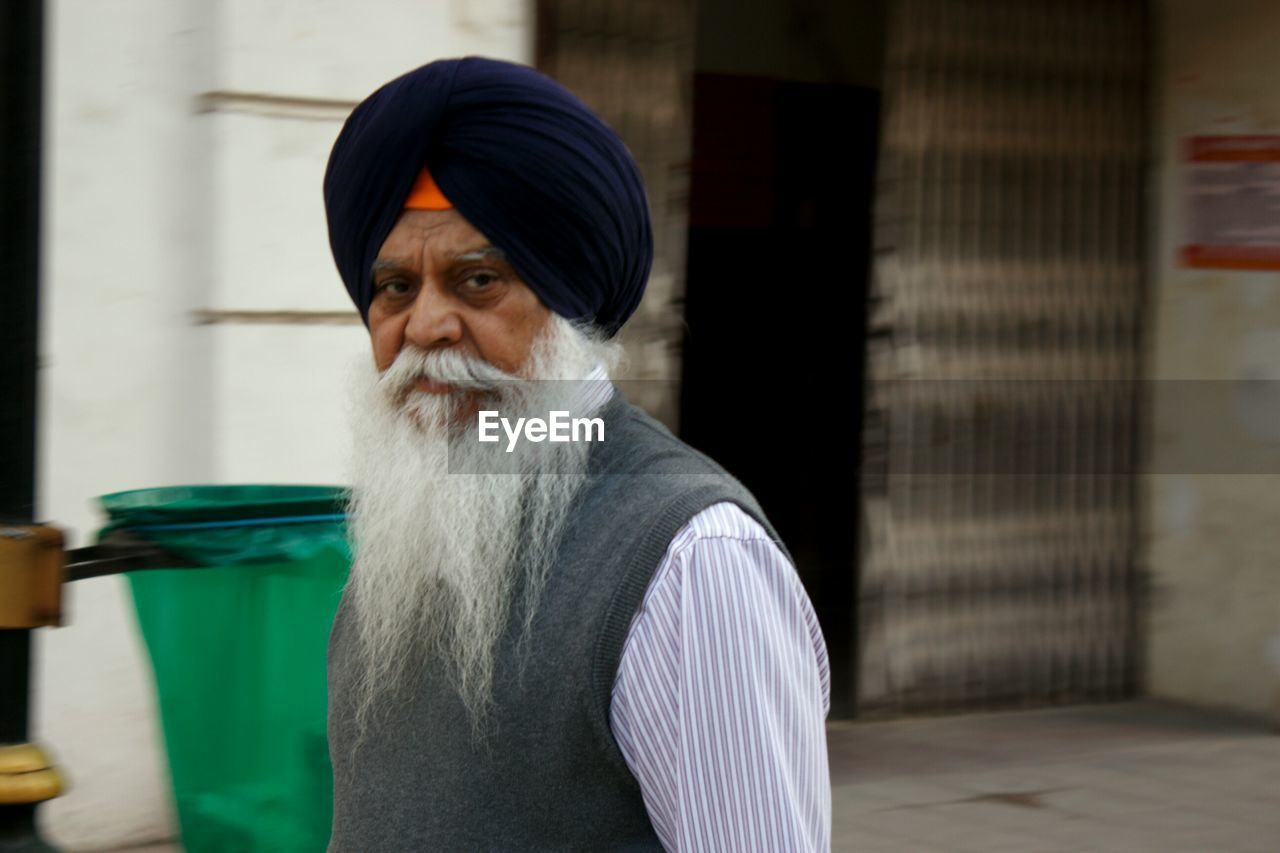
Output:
x=439 y=553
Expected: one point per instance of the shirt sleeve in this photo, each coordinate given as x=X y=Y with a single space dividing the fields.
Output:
x=722 y=692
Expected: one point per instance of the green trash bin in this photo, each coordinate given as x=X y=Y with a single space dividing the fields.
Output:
x=238 y=651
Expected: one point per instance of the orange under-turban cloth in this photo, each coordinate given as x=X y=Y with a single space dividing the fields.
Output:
x=426 y=195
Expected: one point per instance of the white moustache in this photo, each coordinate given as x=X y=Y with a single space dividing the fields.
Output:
x=443 y=366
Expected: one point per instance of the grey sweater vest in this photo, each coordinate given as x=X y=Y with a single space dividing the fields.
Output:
x=550 y=776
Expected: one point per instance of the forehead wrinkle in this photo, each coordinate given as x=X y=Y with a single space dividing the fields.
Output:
x=427 y=243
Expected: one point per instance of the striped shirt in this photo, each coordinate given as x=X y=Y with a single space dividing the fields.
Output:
x=722 y=691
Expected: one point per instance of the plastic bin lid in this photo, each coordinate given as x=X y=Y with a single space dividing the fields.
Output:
x=197 y=504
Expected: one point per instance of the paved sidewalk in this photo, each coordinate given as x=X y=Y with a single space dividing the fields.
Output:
x=1136 y=776
x=1133 y=777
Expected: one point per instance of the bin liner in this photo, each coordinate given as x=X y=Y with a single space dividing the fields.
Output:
x=238 y=651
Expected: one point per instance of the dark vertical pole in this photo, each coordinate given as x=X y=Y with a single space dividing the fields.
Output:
x=21 y=60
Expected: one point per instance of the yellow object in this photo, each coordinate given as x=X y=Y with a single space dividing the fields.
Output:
x=31 y=574
x=25 y=775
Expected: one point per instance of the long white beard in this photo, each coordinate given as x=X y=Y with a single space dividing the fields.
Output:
x=440 y=552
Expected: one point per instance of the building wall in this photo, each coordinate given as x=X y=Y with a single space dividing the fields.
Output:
x=1214 y=618
x=815 y=41
x=1001 y=524
x=193 y=329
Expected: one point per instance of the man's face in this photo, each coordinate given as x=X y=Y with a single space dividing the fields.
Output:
x=440 y=542
x=439 y=283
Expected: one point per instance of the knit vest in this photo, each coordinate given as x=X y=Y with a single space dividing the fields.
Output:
x=549 y=775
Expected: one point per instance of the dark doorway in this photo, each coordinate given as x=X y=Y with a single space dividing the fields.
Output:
x=773 y=361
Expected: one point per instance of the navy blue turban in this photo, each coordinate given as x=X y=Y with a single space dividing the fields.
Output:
x=521 y=158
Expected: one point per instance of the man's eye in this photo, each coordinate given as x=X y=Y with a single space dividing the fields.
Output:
x=479 y=280
x=393 y=287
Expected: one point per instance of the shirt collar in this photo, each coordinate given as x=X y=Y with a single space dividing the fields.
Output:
x=594 y=390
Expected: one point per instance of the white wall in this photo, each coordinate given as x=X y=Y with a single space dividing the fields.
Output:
x=1214 y=624
x=160 y=202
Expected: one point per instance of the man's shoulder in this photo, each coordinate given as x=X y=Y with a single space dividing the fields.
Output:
x=647 y=476
x=636 y=442
x=725 y=520
x=711 y=536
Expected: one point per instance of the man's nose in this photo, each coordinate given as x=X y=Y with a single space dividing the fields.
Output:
x=433 y=321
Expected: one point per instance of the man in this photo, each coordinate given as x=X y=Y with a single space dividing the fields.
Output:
x=583 y=645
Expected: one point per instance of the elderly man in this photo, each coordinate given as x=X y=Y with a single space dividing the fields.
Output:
x=585 y=645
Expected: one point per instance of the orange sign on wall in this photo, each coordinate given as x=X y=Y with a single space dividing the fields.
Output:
x=1233 y=203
